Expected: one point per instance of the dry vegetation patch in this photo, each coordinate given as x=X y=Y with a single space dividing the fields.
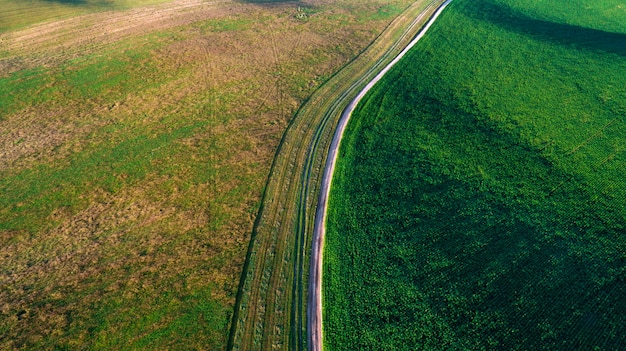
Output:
x=134 y=147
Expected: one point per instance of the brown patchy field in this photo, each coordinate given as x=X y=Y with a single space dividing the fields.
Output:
x=134 y=148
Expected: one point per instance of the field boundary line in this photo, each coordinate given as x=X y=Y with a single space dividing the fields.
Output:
x=588 y=140
x=314 y=309
x=278 y=252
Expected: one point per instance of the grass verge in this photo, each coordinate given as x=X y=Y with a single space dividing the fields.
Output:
x=271 y=308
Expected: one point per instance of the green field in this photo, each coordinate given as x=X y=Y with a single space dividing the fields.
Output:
x=479 y=199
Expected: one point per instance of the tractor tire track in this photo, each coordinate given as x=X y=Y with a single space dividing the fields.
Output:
x=271 y=306
x=315 y=278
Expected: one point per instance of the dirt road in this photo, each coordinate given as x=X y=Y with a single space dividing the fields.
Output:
x=314 y=307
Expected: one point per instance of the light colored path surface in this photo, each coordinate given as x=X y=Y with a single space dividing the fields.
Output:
x=314 y=308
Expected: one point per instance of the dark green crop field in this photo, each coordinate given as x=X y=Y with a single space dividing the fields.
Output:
x=479 y=201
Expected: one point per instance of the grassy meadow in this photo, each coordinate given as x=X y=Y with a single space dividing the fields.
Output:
x=135 y=144
x=19 y=14
x=479 y=199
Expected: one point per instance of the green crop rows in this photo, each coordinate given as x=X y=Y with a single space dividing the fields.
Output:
x=479 y=198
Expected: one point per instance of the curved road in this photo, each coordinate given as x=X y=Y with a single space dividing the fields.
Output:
x=314 y=306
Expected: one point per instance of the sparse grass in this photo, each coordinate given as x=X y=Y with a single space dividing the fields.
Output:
x=385 y=11
x=95 y=79
x=17 y=14
x=478 y=201
x=228 y=25
x=132 y=166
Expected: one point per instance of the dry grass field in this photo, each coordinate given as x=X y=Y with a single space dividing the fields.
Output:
x=135 y=143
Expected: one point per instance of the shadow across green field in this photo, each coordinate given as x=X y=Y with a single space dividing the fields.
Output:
x=463 y=214
x=518 y=260
x=566 y=34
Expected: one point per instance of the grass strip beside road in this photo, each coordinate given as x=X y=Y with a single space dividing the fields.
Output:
x=270 y=310
x=314 y=308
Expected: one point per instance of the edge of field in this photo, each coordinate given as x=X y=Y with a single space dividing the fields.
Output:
x=314 y=311
x=270 y=309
